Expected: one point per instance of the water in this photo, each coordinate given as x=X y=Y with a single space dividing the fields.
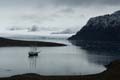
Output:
x=67 y=60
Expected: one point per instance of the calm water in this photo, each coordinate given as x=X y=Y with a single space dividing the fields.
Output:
x=67 y=60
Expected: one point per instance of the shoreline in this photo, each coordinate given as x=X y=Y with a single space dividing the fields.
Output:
x=112 y=73
x=5 y=42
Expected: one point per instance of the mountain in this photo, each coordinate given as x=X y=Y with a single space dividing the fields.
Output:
x=71 y=30
x=101 y=28
x=102 y=32
x=67 y=31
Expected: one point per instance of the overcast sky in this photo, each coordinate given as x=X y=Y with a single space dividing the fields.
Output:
x=53 y=13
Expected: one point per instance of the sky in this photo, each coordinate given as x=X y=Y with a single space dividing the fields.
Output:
x=54 y=14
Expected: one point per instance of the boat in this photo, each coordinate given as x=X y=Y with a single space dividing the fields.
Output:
x=33 y=52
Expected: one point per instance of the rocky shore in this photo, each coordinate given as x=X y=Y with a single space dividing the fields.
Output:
x=112 y=73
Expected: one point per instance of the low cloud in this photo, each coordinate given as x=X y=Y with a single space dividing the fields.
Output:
x=87 y=2
x=53 y=13
x=40 y=3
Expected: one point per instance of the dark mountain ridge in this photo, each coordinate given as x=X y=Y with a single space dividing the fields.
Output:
x=101 y=28
x=100 y=33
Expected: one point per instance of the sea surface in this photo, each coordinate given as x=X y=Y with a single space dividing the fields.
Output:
x=65 y=60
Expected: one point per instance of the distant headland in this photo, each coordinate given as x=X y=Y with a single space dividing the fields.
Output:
x=5 y=42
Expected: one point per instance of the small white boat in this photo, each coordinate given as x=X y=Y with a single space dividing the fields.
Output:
x=33 y=52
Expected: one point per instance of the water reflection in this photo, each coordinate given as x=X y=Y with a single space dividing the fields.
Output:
x=32 y=62
x=67 y=60
x=102 y=57
x=98 y=55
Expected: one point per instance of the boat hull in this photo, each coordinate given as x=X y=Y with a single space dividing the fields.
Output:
x=33 y=54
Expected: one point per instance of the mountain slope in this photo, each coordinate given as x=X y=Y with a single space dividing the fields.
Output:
x=101 y=28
